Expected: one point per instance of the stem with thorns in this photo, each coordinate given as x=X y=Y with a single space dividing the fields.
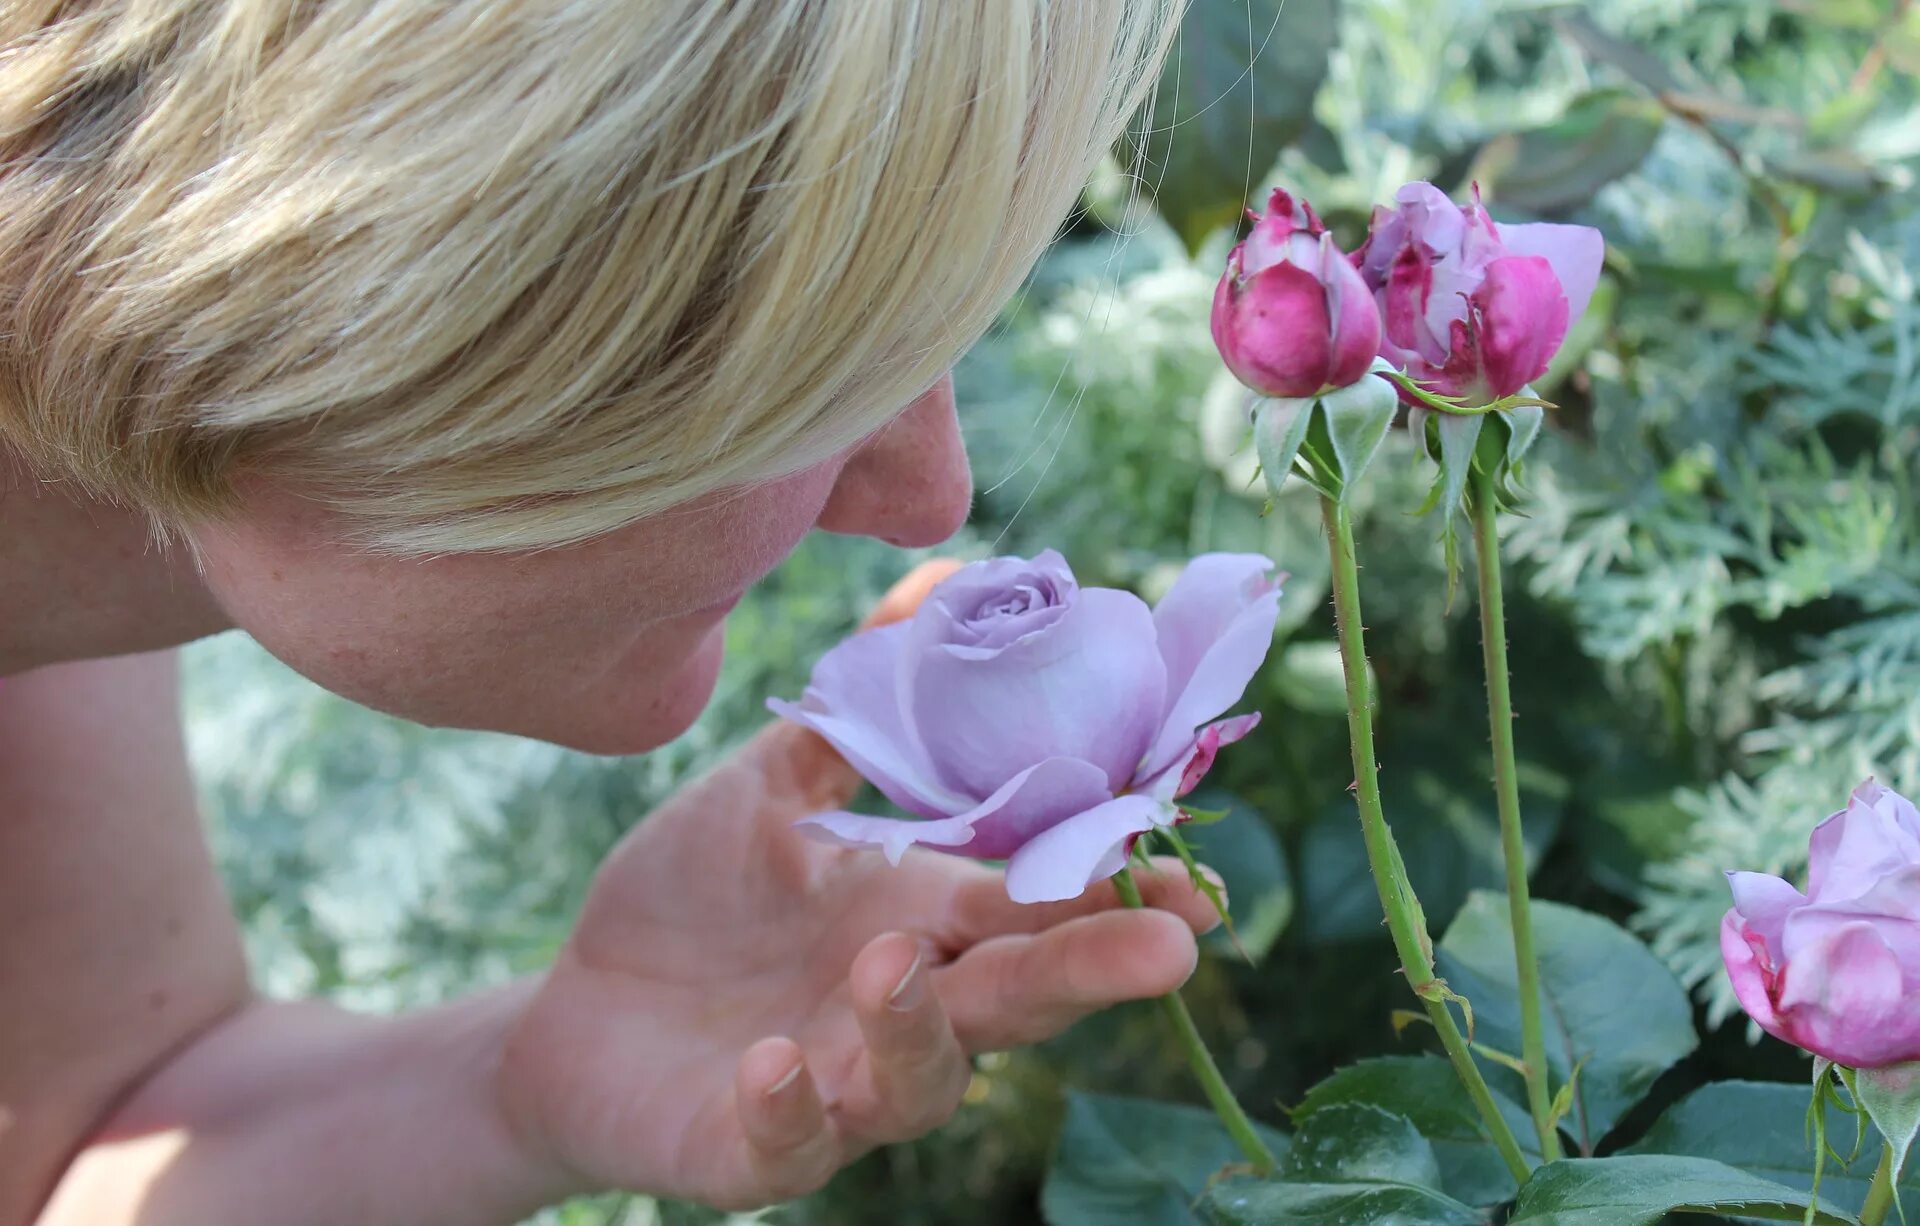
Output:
x=1404 y=922
x=1484 y=510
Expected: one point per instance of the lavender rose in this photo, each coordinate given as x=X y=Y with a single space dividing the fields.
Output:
x=1031 y=720
x=1837 y=970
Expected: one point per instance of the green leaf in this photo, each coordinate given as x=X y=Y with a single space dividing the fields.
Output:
x=1602 y=136
x=1641 y=1189
x=1360 y=1143
x=1279 y=427
x=1891 y=1096
x=1358 y=418
x=1237 y=90
x=1337 y=1204
x=1760 y=1127
x=1249 y=858
x=1607 y=1002
x=1425 y=1090
x=1309 y=677
x=1136 y=1162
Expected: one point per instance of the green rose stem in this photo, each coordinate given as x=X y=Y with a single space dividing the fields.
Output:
x=1238 y=1126
x=1880 y=1191
x=1389 y=873
x=1484 y=510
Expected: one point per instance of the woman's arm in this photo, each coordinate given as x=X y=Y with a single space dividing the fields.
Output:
x=302 y=1114
x=137 y=1073
x=116 y=944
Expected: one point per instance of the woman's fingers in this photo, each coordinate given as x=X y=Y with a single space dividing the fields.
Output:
x=791 y=1145
x=1015 y=990
x=981 y=908
x=918 y=1068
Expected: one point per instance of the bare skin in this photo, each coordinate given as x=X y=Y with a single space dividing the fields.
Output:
x=739 y=1012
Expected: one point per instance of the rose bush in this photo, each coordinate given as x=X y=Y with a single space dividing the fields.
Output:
x=1021 y=717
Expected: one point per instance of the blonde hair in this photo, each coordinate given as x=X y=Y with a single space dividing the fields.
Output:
x=485 y=274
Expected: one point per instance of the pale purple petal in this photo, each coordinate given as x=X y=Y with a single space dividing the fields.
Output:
x=1763 y=902
x=1092 y=846
x=1894 y=809
x=1030 y=802
x=1844 y=998
x=851 y=702
x=1214 y=627
x=1856 y=847
x=994 y=603
x=1090 y=687
x=1575 y=252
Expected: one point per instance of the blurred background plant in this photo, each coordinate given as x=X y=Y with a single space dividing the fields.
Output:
x=1716 y=628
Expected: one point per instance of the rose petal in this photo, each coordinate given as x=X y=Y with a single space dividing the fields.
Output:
x=1522 y=320
x=1028 y=803
x=951 y=612
x=1091 y=687
x=851 y=702
x=1273 y=330
x=1189 y=768
x=1749 y=969
x=1088 y=847
x=1763 y=902
x=1841 y=998
x=1214 y=627
x=1856 y=847
x=1576 y=254
x=1355 y=319
x=1894 y=809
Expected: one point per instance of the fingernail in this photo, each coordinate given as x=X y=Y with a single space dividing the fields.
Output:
x=911 y=990
x=786 y=1082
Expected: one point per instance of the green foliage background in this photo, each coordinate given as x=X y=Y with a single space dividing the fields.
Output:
x=1716 y=632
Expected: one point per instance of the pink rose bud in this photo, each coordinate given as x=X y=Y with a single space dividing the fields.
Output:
x=1473 y=309
x=1291 y=316
x=1837 y=970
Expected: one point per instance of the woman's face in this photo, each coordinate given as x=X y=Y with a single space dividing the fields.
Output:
x=610 y=646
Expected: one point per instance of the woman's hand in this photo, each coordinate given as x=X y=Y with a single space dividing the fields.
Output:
x=742 y=1011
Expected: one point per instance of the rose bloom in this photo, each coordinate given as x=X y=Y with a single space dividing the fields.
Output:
x=1024 y=718
x=1471 y=308
x=1837 y=970
x=1291 y=317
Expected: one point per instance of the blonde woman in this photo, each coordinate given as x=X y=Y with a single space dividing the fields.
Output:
x=475 y=356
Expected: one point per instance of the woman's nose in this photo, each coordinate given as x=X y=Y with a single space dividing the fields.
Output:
x=908 y=485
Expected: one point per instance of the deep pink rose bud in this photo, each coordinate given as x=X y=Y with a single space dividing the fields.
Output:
x=1291 y=316
x=1474 y=309
x=1837 y=970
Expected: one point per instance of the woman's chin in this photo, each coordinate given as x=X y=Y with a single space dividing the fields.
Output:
x=642 y=713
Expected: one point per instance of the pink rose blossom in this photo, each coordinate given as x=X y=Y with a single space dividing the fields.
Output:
x=1470 y=308
x=1837 y=970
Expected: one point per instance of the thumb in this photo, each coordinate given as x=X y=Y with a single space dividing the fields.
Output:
x=800 y=758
